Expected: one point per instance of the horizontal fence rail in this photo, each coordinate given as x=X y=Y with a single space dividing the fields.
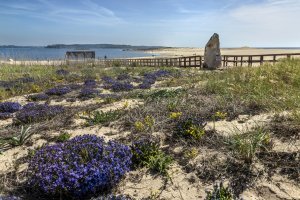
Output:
x=188 y=61
x=197 y=61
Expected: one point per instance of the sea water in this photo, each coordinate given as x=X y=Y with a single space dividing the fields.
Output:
x=42 y=53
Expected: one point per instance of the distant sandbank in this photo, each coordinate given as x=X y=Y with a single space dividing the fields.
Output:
x=177 y=52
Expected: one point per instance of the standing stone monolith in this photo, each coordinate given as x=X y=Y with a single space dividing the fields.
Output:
x=212 y=54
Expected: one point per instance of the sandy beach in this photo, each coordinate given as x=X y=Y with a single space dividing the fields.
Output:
x=185 y=51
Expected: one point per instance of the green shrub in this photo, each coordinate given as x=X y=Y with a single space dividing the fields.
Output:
x=245 y=145
x=63 y=137
x=146 y=153
x=220 y=193
x=18 y=140
x=190 y=127
x=103 y=118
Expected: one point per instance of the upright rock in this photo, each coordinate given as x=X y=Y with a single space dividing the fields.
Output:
x=212 y=54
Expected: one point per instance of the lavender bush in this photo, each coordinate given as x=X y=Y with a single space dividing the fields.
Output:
x=10 y=107
x=87 y=93
x=38 y=97
x=79 y=167
x=90 y=83
x=58 y=91
x=5 y=115
x=38 y=112
x=150 y=78
x=119 y=86
x=108 y=80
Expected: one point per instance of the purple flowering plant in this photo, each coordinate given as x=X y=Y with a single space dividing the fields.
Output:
x=10 y=107
x=87 y=93
x=5 y=115
x=38 y=97
x=32 y=112
x=59 y=91
x=119 y=86
x=90 y=83
x=79 y=167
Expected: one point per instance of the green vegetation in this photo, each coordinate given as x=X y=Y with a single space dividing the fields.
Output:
x=146 y=153
x=63 y=137
x=18 y=140
x=220 y=193
x=245 y=145
x=103 y=118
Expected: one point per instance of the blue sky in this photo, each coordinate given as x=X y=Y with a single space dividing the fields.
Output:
x=190 y=23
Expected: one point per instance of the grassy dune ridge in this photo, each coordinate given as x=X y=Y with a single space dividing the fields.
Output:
x=187 y=133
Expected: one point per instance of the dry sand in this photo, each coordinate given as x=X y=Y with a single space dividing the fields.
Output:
x=177 y=52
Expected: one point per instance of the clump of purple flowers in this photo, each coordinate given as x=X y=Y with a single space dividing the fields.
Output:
x=79 y=167
x=38 y=97
x=5 y=115
x=119 y=86
x=58 y=91
x=62 y=72
x=32 y=112
x=123 y=77
x=90 y=83
x=9 y=197
x=150 y=78
x=87 y=93
x=10 y=107
x=108 y=80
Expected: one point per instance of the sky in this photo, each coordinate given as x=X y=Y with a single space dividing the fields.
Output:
x=177 y=23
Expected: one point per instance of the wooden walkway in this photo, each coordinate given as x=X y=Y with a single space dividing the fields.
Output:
x=197 y=61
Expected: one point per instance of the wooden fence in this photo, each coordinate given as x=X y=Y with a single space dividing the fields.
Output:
x=197 y=61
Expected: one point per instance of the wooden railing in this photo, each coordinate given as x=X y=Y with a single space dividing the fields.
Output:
x=197 y=61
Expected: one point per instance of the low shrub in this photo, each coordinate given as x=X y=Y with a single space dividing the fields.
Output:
x=88 y=93
x=123 y=77
x=246 y=145
x=146 y=153
x=108 y=80
x=191 y=127
x=63 y=137
x=104 y=118
x=79 y=167
x=5 y=115
x=90 y=83
x=59 y=91
x=164 y=93
x=21 y=138
x=119 y=86
x=38 y=112
x=38 y=97
x=74 y=86
x=147 y=124
x=62 y=72
x=220 y=193
x=10 y=107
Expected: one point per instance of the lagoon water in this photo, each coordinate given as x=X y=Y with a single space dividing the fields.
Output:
x=42 y=53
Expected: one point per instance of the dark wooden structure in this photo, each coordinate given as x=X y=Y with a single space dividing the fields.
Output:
x=197 y=61
x=80 y=56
